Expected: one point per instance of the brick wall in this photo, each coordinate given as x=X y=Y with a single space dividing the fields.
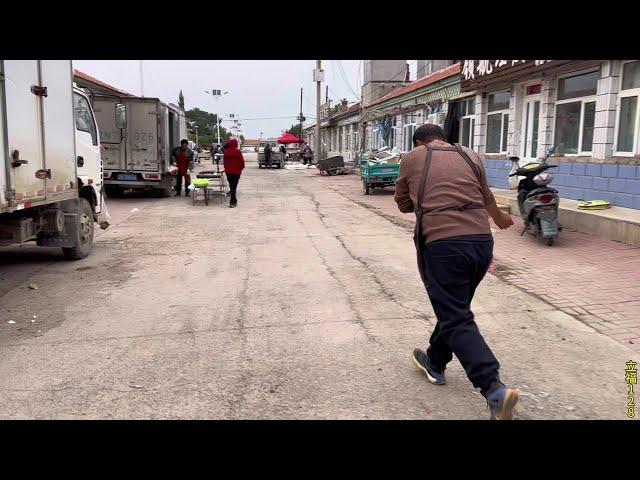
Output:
x=618 y=184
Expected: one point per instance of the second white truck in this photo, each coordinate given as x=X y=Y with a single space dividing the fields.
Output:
x=137 y=155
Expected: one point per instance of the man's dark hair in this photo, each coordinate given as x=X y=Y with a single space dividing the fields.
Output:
x=183 y=141
x=427 y=133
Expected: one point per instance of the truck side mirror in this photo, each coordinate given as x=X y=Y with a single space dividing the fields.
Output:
x=121 y=116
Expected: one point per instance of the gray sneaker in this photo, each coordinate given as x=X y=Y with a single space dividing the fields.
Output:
x=421 y=360
x=501 y=401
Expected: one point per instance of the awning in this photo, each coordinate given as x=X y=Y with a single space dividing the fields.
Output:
x=289 y=138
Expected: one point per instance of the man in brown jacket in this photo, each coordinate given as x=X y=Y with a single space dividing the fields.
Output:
x=446 y=186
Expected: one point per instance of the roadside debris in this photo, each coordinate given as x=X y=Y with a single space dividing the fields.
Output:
x=135 y=210
x=11 y=322
x=34 y=286
x=297 y=166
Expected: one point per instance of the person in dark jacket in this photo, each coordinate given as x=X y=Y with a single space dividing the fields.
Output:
x=233 y=166
x=267 y=156
x=307 y=155
x=283 y=154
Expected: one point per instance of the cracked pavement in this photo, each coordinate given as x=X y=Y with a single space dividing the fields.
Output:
x=297 y=304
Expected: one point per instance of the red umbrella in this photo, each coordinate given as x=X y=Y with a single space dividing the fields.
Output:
x=289 y=138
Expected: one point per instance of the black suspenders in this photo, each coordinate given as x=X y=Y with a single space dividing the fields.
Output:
x=418 y=236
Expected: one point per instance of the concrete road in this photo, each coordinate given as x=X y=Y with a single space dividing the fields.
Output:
x=297 y=304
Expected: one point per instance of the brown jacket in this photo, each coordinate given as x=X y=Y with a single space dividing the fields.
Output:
x=450 y=181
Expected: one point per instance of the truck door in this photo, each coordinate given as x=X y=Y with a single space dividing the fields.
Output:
x=142 y=141
x=111 y=137
x=87 y=147
x=24 y=129
x=59 y=130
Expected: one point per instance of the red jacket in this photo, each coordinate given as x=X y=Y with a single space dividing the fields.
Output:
x=233 y=159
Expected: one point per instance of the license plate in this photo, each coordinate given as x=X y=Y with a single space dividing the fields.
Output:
x=127 y=176
x=387 y=170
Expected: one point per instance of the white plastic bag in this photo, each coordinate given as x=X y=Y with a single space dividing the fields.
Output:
x=191 y=187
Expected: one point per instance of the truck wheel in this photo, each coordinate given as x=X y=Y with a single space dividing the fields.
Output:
x=259 y=165
x=83 y=234
x=549 y=241
x=114 y=192
x=365 y=187
x=279 y=166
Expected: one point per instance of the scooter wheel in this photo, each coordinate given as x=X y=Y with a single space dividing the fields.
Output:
x=549 y=241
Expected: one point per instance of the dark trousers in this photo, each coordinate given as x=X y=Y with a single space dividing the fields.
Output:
x=187 y=182
x=233 y=186
x=454 y=267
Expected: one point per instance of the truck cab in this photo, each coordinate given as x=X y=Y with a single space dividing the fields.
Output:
x=88 y=157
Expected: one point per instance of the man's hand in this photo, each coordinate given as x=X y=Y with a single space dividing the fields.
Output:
x=503 y=220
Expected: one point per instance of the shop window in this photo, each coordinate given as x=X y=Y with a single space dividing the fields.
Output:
x=628 y=125
x=575 y=113
x=497 y=122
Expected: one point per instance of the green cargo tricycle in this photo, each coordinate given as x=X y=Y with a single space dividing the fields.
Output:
x=377 y=174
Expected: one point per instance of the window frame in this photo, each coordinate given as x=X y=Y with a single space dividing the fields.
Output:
x=504 y=137
x=408 y=139
x=582 y=100
x=472 y=121
x=94 y=133
x=631 y=92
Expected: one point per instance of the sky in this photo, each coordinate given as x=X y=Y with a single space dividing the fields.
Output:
x=257 y=89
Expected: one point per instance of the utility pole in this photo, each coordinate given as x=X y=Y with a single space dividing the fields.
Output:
x=301 y=117
x=141 y=80
x=318 y=77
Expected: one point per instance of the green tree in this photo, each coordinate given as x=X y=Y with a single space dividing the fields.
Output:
x=296 y=130
x=181 y=100
x=206 y=123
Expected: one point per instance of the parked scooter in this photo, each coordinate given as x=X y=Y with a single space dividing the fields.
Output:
x=537 y=201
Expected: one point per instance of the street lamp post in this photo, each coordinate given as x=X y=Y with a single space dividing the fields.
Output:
x=217 y=93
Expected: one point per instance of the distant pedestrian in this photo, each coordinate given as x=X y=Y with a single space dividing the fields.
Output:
x=233 y=166
x=267 y=155
x=446 y=186
x=283 y=154
x=307 y=155
x=182 y=157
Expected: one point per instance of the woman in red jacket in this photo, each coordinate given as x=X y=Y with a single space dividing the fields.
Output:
x=233 y=166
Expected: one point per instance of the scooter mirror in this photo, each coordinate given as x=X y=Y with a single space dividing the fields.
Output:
x=550 y=150
x=514 y=159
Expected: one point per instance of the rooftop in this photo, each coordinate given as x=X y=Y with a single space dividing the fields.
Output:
x=420 y=83
x=88 y=78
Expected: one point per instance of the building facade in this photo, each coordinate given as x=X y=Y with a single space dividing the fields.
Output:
x=390 y=121
x=588 y=110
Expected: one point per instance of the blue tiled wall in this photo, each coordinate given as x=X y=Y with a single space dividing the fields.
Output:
x=618 y=184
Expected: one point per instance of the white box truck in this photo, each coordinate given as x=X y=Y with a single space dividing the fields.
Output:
x=50 y=167
x=137 y=156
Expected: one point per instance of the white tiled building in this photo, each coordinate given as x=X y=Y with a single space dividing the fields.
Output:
x=587 y=109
